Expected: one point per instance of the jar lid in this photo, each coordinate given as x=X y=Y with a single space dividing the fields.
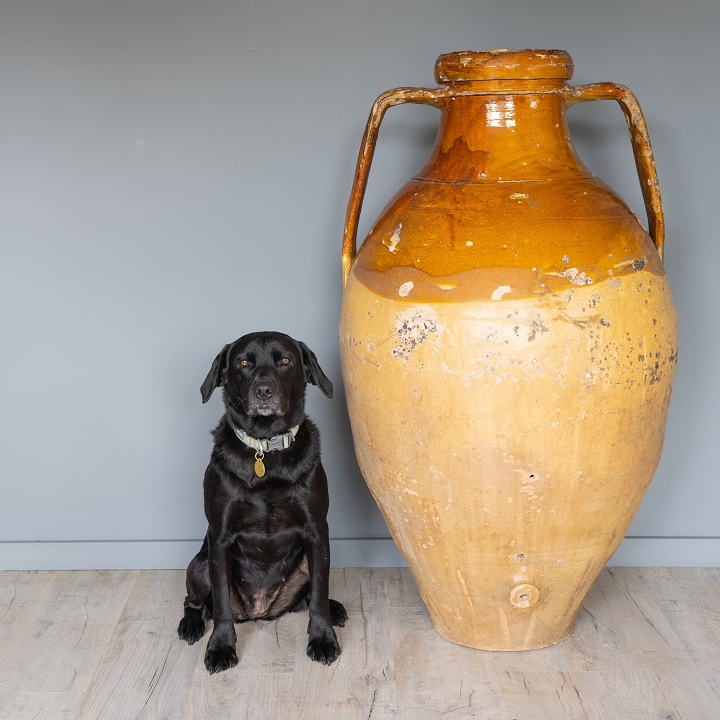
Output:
x=503 y=65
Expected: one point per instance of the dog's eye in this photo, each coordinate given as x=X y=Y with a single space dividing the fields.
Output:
x=285 y=361
x=244 y=363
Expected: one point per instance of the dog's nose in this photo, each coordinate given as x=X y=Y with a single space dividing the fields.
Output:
x=264 y=390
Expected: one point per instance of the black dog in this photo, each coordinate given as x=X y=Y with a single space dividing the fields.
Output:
x=266 y=551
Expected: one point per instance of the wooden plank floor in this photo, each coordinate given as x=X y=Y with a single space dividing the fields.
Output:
x=96 y=645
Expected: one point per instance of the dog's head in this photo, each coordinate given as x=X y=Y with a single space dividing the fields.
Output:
x=264 y=375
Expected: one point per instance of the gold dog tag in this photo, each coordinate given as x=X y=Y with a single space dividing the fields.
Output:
x=259 y=465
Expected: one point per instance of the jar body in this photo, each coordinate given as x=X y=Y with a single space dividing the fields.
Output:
x=508 y=344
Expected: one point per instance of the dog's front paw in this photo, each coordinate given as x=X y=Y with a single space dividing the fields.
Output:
x=324 y=649
x=221 y=658
x=191 y=628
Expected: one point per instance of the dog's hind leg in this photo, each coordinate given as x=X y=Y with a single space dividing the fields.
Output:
x=199 y=597
x=302 y=604
x=338 y=614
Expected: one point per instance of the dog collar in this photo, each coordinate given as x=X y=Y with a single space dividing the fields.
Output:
x=276 y=442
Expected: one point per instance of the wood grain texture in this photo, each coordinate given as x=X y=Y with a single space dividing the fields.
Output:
x=97 y=645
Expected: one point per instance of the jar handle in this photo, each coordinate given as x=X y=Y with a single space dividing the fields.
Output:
x=367 y=149
x=641 y=148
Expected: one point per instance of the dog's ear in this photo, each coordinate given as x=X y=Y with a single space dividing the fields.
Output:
x=217 y=375
x=313 y=372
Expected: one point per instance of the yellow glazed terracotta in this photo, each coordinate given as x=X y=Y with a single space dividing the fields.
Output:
x=508 y=344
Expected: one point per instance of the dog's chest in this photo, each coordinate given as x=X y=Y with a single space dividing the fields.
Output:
x=267 y=510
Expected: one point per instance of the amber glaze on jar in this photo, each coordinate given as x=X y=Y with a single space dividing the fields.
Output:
x=508 y=344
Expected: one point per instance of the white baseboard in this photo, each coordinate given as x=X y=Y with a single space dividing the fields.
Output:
x=361 y=552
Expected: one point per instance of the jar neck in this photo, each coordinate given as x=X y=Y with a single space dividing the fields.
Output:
x=503 y=135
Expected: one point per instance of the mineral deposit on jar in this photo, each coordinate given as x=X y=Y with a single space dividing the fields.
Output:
x=577 y=277
x=499 y=291
x=392 y=243
x=405 y=288
x=412 y=328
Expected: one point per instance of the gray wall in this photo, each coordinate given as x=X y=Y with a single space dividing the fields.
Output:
x=175 y=173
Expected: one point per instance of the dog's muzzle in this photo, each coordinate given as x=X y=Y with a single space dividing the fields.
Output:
x=265 y=400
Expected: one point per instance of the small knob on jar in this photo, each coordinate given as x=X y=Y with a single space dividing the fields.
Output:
x=524 y=595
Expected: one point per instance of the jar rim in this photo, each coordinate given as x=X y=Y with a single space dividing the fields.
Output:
x=470 y=65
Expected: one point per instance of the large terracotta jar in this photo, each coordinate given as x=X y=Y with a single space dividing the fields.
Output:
x=508 y=343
